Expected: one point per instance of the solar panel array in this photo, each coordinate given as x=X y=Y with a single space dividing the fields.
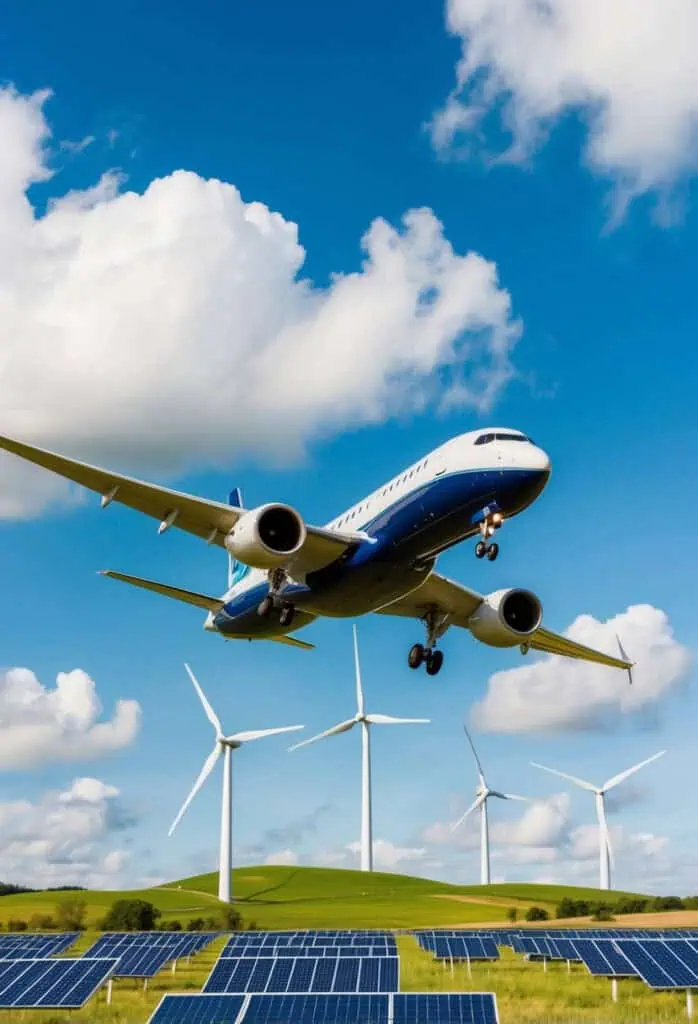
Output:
x=400 y=1008
x=470 y=947
x=33 y=947
x=281 y=974
x=51 y=984
x=144 y=954
x=663 y=963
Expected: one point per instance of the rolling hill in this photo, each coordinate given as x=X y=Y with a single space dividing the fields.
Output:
x=304 y=897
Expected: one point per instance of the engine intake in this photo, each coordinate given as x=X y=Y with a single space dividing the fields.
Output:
x=506 y=618
x=267 y=537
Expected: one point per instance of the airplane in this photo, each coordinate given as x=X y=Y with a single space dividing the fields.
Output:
x=377 y=556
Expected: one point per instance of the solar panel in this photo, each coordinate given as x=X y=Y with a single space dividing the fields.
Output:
x=142 y=962
x=445 y=1008
x=63 y=983
x=282 y=974
x=31 y=947
x=197 y=1009
x=662 y=963
x=474 y=947
x=603 y=959
x=318 y=1009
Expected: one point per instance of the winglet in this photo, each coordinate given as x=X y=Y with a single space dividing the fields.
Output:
x=624 y=656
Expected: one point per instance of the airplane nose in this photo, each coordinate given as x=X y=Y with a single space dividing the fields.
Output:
x=540 y=461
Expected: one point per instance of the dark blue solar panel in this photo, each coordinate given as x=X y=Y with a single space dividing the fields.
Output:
x=66 y=983
x=347 y=977
x=670 y=963
x=317 y=1009
x=142 y=962
x=197 y=1009
x=301 y=979
x=445 y=1008
x=472 y=947
x=601 y=958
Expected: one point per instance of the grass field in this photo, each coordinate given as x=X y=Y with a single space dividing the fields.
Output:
x=283 y=897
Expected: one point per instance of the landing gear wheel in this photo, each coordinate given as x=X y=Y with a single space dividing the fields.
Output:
x=492 y=551
x=435 y=660
x=480 y=549
x=265 y=606
x=416 y=656
x=286 y=615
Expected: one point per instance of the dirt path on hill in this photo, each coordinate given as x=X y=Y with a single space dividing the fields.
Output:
x=494 y=901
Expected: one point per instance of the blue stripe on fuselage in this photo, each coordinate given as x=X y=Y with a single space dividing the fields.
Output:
x=433 y=516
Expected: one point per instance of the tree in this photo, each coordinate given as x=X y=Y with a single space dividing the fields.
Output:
x=229 y=919
x=602 y=912
x=131 y=916
x=512 y=914
x=16 y=925
x=71 y=915
x=196 y=924
x=536 y=914
x=41 y=923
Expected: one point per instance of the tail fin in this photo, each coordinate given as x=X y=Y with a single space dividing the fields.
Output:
x=236 y=570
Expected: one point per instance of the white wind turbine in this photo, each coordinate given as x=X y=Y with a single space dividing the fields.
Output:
x=224 y=745
x=482 y=795
x=605 y=851
x=365 y=721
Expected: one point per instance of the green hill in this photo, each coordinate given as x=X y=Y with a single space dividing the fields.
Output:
x=303 y=897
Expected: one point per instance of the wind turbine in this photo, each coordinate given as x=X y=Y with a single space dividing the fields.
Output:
x=482 y=795
x=365 y=721
x=224 y=745
x=605 y=851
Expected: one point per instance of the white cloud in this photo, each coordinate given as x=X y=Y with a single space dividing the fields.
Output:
x=42 y=726
x=553 y=694
x=65 y=837
x=282 y=857
x=543 y=824
x=151 y=330
x=628 y=68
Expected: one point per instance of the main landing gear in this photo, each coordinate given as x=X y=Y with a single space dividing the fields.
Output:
x=427 y=654
x=489 y=524
x=277 y=579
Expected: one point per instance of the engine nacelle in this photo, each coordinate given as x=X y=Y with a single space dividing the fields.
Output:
x=267 y=537
x=506 y=618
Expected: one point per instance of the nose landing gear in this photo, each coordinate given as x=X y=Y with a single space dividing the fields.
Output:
x=490 y=523
x=427 y=654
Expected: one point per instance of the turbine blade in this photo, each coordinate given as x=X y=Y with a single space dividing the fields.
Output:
x=334 y=731
x=210 y=713
x=260 y=734
x=473 y=807
x=477 y=759
x=629 y=771
x=508 y=796
x=389 y=720
x=357 y=672
x=208 y=767
x=625 y=658
x=570 y=778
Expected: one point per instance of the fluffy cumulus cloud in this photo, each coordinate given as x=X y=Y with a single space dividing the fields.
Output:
x=39 y=725
x=73 y=837
x=627 y=68
x=149 y=330
x=553 y=694
x=283 y=857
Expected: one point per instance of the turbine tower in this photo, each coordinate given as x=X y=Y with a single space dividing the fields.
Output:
x=605 y=850
x=224 y=745
x=365 y=721
x=482 y=795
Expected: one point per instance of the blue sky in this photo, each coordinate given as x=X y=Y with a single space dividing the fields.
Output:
x=323 y=117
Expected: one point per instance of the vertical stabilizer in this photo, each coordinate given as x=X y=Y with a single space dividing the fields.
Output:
x=235 y=569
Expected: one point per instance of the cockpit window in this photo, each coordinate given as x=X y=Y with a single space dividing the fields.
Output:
x=486 y=438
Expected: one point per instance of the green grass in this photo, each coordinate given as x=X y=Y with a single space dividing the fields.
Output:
x=283 y=897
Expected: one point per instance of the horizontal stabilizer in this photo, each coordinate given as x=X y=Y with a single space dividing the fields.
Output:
x=210 y=604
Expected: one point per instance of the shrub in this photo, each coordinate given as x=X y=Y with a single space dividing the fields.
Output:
x=16 y=925
x=71 y=915
x=130 y=916
x=602 y=912
x=174 y=926
x=512 y=914
x=196 y=924
x=42 y=923
x=536 y=914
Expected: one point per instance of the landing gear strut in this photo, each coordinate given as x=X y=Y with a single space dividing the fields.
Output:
x=427 y=654
x=489 y=524
x=277 y=579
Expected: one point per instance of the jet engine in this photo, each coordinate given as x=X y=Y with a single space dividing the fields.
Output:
x=506 y=618
x=267 y=537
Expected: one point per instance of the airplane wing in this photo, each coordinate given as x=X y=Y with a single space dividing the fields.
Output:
x=210 y=520
x=459 y=602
